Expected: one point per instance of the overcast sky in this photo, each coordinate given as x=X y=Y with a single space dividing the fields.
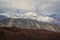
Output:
x=44 y=6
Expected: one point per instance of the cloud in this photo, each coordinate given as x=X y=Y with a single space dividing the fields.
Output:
x=45 y=7
x=19 y=4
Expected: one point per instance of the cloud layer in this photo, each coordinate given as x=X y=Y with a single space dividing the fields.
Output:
x=46 y=7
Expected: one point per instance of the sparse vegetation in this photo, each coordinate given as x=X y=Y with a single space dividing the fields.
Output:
x=13 y=33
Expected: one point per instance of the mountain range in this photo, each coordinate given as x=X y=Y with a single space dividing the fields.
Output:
x=28 y=19
x=31 y=15
x=29 y=24
x=56 y=16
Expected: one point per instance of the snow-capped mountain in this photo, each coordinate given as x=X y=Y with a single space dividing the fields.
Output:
x=29 y=20
x=31 y=15
x=29 y=24
x=3 y=17
x=27 y=14
x=56 y=16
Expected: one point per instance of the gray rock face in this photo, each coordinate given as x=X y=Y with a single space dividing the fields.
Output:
x=2 y=17
x=56 y=16
x=29 y=24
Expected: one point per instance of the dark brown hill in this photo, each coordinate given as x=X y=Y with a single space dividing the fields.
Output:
x=12 y=33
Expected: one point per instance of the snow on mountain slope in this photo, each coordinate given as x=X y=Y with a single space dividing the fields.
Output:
x=56 y=16
x=31 y=15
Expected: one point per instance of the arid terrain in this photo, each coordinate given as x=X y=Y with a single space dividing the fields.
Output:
x=13 y=33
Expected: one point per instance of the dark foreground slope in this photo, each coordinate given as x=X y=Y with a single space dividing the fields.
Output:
x=12 y=33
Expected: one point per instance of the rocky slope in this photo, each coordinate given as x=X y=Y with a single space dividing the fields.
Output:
x=13 y=33
x=29 y=24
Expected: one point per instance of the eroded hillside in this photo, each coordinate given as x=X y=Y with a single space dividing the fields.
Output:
x=12 y=33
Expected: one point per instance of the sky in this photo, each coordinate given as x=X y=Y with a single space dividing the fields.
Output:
x=32 y=9
x=46 y=7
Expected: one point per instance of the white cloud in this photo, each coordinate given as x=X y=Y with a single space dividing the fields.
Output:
x=45 y=6
x=20 y=4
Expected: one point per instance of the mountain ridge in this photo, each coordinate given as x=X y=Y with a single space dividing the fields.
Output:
x=32 y=15
x=29 y=24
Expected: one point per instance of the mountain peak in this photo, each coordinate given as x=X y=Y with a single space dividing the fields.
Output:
x=31 y=15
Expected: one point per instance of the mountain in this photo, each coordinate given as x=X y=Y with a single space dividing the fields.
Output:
x=27 y=19
x=28 y=14
x=3 y=17
x=56 y=16
x=29 y=24
x=31 y=15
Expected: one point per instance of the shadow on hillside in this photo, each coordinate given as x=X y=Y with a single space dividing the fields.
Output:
x=12 y=33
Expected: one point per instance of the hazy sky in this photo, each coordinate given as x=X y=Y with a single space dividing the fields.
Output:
x=44 y=6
